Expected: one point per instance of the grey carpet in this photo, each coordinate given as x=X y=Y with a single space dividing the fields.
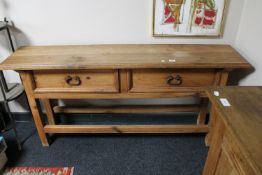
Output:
x=111 y=154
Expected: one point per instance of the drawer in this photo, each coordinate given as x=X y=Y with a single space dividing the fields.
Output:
x=76 y=81
x=168 y=80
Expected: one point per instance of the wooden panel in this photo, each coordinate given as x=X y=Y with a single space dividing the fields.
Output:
x=238 y=158
x=156 y=80
x=212 y=122
x=124 y=82
x=89 y=81
x=215 y=148
x=146 y=129
x=128 y=109
x=124 y=57
x=225 y=166
x=243 y=120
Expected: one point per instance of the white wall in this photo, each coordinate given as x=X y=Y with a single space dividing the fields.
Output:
x=52 y=22
x=249 y=40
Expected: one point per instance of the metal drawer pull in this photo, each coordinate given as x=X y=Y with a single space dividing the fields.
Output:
x=73 y=81
x=174 y=81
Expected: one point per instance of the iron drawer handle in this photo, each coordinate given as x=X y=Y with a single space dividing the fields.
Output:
x=73 y=81
x=174 y=81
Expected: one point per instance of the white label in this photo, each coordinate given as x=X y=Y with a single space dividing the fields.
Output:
x=216 y=93
x=225 y=102
x=172 y=60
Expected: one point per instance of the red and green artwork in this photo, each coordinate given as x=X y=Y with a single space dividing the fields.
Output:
x=172 y=12
x=205 y=13
x=188 y=17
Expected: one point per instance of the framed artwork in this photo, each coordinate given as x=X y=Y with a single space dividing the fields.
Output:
x=188 y=17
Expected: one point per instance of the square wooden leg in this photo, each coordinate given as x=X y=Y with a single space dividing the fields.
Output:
x=211 y=124
x=49 y=111
x=203 y=111
x=28 y=84
x=38 y=121
x=215 y=149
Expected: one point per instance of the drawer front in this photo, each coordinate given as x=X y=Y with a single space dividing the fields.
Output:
x=168 y=80
x=76 y=81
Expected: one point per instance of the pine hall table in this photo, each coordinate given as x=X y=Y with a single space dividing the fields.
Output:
x=121 y=72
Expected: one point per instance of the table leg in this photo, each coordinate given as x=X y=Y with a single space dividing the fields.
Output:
x=29 y=86
x=203 y=111
x=38 y=121
x=49 y=111
x=215 y=149
x=211 y=124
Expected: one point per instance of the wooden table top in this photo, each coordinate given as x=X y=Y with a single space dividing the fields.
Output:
x=124 y=56
x=243 y=118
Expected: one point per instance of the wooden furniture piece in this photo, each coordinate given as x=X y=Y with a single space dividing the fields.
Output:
x=236 y=132
x=122 y=72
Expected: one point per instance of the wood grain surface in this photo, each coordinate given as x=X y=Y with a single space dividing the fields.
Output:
x=124 y=56
x=243 y=127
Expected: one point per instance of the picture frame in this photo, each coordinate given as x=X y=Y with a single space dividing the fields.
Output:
x=188 y=18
